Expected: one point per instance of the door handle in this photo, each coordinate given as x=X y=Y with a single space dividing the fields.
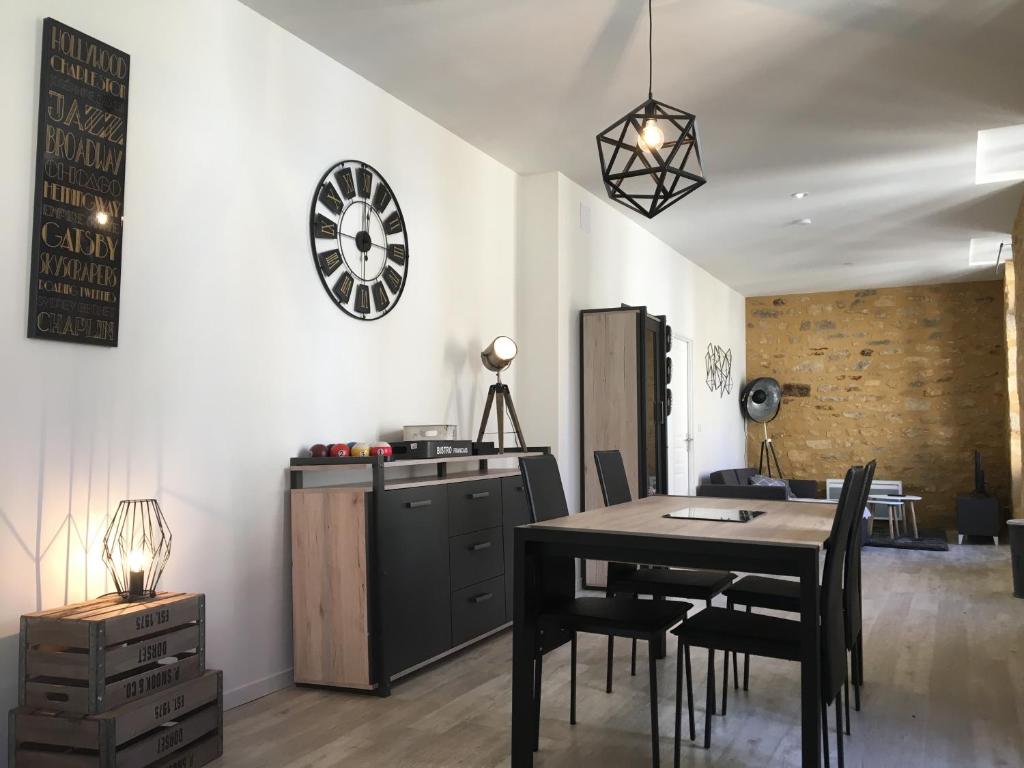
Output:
x=482 y=598
x=479 y=495
x=480 y=546
x=418 y=504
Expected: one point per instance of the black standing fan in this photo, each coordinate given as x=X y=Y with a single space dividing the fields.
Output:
x=760 y=401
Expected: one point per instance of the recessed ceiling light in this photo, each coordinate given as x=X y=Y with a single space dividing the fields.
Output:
x=799 y=195
x=803 y=222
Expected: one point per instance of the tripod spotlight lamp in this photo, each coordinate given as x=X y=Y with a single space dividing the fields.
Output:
x=137 y=547
x=497 y=357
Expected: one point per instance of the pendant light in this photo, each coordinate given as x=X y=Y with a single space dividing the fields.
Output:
x=650 y=158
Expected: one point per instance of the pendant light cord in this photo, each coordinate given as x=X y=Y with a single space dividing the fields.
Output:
x=650 y=51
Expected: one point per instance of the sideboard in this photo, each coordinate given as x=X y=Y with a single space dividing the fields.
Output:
x=391 y=573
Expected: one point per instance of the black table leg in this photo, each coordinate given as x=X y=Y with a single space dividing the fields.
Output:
x=810 y=660
x=524 y=642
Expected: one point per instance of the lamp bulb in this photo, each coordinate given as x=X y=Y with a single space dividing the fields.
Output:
x=652 y=138
x=136 y=560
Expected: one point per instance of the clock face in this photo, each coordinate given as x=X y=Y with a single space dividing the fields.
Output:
x=358 y=238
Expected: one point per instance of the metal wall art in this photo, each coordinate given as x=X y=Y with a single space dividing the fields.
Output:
x=718 y=369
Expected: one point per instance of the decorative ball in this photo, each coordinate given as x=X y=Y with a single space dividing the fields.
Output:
x=318 y=451
x=361 y=449
x=338 y=450
x=380 y=449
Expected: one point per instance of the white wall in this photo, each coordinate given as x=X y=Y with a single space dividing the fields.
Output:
x=618 y=262
x=231 y=356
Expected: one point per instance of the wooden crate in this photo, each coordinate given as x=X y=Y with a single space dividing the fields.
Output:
x=181 y=727
x=91 y=657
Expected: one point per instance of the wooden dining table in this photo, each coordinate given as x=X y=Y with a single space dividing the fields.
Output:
x=785 y=541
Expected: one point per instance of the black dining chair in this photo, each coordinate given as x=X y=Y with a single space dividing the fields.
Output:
x=778 y=638
x=772 y=593
x=564 y=615
x=629 y=579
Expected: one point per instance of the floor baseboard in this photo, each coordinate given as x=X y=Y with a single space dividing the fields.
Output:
x=236 y=697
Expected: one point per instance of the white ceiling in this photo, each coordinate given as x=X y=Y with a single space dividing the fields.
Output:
x=870 y=106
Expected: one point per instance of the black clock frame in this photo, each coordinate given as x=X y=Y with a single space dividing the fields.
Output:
x=368 y=200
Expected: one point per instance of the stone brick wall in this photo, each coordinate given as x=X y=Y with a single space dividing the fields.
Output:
x=914 y=377
x=1018 y=291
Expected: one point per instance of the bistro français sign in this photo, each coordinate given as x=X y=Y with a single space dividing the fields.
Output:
x=80 y=166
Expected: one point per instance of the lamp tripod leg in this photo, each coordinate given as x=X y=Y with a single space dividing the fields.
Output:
x=500 y=408
x=487 y=413
x=515 y=419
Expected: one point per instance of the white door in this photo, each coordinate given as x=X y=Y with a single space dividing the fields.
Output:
x=680 y=436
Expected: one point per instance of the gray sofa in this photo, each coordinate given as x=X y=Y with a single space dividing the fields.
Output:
x=735 y=484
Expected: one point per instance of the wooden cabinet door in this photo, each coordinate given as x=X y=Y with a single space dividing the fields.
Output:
x=415 y=580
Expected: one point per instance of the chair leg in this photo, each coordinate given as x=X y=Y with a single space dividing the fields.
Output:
x=824 y=732
x=855 y=673
x=746 y=662
x=846 y=704
x=538 y=668
x=735 y=671
x=689 y=693
x=725 y=681
x=611 y=655
x=709 y=706
x=714 y=694
x=679 y=703
x=839 y=731
x=572 y=681
x=652 y=664
x=632 y=664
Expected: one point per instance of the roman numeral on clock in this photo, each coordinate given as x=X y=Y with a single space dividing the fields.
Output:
x=392 y=278
x=365 y=179
x=324 y=227
x=343 y=288
x=396 y=252
x=380 y=297
x=345 y=183
x=329 y=197
x=329 y=261
x=393 y=223
x=362 y=299
x=381 y=198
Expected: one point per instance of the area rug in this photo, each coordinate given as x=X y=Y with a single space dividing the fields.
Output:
x=933 y=541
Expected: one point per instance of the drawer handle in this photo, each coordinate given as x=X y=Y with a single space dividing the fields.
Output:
x=482 y=598
x=480 y=495
x=481 y=545
x=418 y=504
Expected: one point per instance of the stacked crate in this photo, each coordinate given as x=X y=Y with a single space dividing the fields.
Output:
x=115 y=684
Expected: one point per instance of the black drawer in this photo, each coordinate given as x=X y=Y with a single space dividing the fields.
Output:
x=478 y=609
x=514 y=511
x=475 y=557
x=406 y=500
x=473 y=506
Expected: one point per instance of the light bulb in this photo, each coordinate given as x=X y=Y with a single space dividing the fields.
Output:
x=102 y=217
x=505 y=348
x=652 y=138
x=136 y=560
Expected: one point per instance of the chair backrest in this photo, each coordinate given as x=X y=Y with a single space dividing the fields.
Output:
x=542 y=481
x=545 y=498
x=611 y=472
x=833 y=624
x=852 y=601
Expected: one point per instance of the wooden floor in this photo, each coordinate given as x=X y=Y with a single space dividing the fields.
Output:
x=945 y=687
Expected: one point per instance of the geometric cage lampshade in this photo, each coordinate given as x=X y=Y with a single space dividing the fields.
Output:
x=136 y=548
x=649 y=177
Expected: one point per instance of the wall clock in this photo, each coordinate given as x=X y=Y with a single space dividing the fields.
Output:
x=358 y=239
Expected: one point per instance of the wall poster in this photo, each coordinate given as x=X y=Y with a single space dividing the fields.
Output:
x=75 y=288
